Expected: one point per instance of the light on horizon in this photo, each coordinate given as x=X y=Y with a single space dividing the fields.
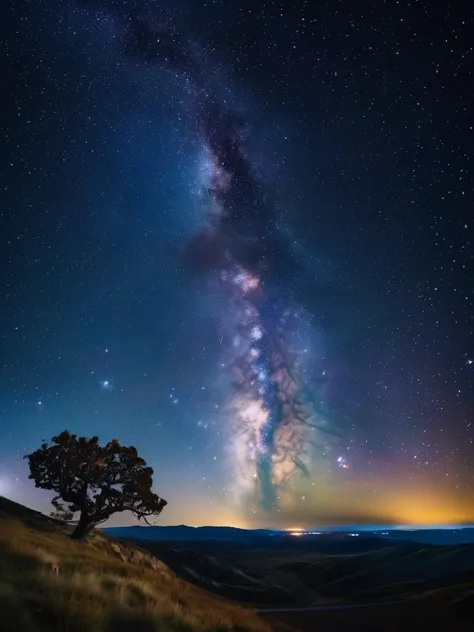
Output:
x=296 y=529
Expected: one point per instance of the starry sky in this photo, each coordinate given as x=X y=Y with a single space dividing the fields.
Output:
x=238 y=235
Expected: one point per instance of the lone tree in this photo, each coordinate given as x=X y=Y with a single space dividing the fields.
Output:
x=94 y=481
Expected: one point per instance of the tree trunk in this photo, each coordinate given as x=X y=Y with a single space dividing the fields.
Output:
x=81 y=527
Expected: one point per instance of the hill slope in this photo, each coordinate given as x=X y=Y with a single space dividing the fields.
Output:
x=300 y=571
x=49 y=582
x=395 y=572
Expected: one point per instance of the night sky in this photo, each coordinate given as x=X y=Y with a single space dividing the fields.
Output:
x=239 y=236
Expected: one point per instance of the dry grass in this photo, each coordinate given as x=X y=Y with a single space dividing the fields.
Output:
x=51 y=583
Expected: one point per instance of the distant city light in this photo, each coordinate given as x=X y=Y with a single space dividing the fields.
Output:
x=298 y=532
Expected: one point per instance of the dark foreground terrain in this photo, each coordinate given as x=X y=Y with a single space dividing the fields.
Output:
x=329 y=581
x=50 y=583
x=370 y=618
x=271 y=569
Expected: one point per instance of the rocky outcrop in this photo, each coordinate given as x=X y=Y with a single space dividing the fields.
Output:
x=130 y=554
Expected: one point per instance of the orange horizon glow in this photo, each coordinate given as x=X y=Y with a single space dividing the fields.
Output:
x=396 y=502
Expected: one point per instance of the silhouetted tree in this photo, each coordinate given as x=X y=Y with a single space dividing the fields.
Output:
x=94 y=481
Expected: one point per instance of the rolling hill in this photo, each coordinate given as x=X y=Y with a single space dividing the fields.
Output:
x=49 y=582
x=269 y=568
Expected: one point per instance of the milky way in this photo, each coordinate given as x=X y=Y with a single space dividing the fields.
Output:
x=274 y=413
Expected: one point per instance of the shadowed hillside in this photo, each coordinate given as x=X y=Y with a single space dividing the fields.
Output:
x=49 y=582
x=394 y=572
x=230 y=577
x=281 y=570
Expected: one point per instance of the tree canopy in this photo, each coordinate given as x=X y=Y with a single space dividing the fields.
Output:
x=93 y=480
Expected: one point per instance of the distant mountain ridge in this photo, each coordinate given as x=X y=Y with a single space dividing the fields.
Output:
x=184 y=533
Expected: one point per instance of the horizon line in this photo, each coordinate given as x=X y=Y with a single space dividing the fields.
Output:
x=309 y=530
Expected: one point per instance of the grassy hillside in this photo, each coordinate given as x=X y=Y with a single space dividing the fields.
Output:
x=49 y=582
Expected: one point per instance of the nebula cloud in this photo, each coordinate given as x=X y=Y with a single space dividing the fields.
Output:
x=274 y=415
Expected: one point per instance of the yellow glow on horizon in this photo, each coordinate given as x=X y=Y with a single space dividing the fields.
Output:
x=427 y=507
x=397 y=500
x=423 y=501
